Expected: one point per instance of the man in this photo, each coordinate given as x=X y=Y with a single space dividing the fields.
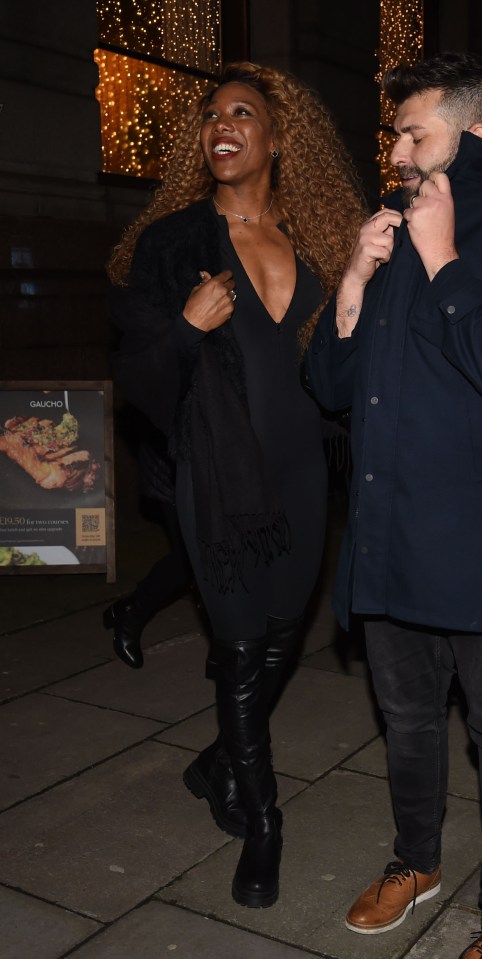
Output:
x=405 y=351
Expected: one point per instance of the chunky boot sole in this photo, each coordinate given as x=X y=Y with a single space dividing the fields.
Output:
x=256 y=880
x=254 y=900
x=201 y=789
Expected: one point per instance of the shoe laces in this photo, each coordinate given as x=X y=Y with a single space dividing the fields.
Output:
x=398 y=873
x=477 y=944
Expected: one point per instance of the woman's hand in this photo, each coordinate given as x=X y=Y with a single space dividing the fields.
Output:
x=210 y=303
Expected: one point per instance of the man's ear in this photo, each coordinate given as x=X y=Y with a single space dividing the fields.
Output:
x=476 y=129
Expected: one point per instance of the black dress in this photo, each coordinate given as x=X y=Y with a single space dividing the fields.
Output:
x=287 y=423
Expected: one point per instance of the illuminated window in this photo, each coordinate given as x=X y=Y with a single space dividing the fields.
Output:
x=401 y=41
x=154 y=57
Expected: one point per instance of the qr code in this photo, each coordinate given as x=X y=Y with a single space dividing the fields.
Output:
x=90 y=523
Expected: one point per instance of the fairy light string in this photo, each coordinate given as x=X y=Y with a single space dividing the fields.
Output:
x=141 y=101
x=401 y=41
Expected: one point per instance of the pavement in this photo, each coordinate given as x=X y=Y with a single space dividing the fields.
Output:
x=106 y=855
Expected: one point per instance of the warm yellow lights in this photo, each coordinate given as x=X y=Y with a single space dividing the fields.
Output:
x=186 y=33
x=401 y=41
x=141 y=102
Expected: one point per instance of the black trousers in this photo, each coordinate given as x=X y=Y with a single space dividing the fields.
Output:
x=412 y=669
x=171 y=576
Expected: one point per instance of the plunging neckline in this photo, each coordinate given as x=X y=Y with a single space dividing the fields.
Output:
x=258 y=297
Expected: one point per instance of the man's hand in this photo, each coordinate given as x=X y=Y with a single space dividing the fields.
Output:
x=431 y=223
x=210 y=303
x=374 y=245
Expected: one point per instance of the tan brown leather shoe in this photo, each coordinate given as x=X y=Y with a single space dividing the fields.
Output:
x=475 y=950
x=387 y=901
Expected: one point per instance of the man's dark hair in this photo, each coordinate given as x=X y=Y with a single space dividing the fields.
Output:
x=457 y=75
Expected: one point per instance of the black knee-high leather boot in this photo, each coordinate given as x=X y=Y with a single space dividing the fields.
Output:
x=210 y=776
x=283 y=646
x=244 y=720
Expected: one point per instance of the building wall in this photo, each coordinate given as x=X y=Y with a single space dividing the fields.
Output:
x=452 y=25
x=332 y=47
x=60 y=219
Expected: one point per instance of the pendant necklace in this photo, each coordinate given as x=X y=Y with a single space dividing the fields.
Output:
x=245 y=219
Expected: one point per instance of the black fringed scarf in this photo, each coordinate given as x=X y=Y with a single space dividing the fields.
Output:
x=238 y=518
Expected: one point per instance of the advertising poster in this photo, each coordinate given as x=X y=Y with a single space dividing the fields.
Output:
x=56 y=493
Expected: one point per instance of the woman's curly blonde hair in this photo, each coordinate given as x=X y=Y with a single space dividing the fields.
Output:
x=315 y=186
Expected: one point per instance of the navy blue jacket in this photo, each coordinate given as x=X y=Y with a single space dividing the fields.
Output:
x=412 y=372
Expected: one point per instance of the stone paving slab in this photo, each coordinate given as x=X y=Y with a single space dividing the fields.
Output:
x=468 y=895
x=338 y=836
x=47 y=739
x=31 y=929
x=15 y=613
x=194 y=733
x=103 y=842
x=463 y=774
x=320 y=720
x=340 y=657
x=157 y=930
x=447 y=937
x=171 y=685
x=42 y=654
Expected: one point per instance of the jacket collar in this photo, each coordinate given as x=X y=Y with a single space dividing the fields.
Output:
x=468 y=161
x=466 y=166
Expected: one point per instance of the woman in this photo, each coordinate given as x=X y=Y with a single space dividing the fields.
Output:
x=223 y=278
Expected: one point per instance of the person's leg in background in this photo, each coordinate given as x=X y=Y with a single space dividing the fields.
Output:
x=168 y=579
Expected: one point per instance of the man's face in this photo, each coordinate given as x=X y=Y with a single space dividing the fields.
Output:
x=425 y=141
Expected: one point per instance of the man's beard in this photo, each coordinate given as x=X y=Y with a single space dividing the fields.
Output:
x=406 y=171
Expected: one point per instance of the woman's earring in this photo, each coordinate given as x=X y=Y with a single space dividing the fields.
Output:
x=274 y=154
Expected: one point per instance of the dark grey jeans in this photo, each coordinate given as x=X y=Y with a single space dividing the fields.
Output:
x=412 y=668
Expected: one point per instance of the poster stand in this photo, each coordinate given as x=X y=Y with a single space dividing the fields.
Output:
x=57 y=477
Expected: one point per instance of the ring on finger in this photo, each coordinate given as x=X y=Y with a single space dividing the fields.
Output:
x=233 y=295
x=412 y=198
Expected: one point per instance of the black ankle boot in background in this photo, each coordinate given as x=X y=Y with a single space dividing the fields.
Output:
x=126 y=620
x=211 y=777
x=256 y=880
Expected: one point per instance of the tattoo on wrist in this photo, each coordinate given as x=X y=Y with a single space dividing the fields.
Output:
x=352 y=310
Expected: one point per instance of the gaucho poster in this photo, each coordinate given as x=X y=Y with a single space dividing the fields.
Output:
x=56 y=478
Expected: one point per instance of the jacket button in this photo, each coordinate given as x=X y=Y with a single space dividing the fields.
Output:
x=374 y=400
x=382 y=322
x=364 y=550
x=451 y=310
x=369 y=477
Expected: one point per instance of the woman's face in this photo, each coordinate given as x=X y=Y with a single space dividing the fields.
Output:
x=236 y=135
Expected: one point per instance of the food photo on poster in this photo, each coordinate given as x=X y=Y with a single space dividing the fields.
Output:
x=52 y=478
